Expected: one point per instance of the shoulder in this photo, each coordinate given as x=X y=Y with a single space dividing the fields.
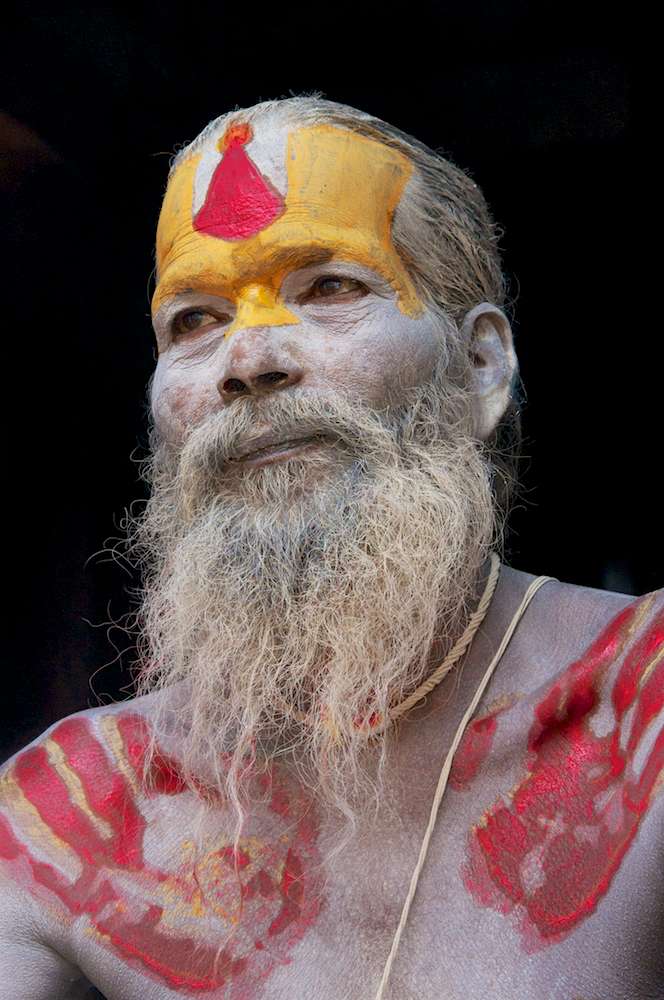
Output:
x=577 y=724
x=74 y=752
x=68 y=802
x=586 y=676
x=583 y=675
x=88 y=841
x=79 y=765
x=566 y=623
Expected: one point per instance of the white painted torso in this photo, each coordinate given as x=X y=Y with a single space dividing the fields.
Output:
x=460 y=941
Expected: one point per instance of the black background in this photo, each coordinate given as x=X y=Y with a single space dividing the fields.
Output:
x=531 y=99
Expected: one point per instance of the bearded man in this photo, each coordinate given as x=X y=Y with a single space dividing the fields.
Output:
x=364 y=759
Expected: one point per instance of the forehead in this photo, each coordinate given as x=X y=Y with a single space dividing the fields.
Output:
x=253 y=204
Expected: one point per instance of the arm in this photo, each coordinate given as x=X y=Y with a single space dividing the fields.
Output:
x=30 y=969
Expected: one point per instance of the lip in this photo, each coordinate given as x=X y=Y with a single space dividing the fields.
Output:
x=267 y=449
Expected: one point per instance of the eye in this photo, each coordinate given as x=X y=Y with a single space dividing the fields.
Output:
x=336 y=286
x=194 y=319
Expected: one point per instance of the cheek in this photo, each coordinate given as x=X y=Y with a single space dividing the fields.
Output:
x=395 y=354
x=415 y=348
x=179 y=399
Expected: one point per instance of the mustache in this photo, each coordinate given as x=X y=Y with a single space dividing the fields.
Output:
x=250 y=425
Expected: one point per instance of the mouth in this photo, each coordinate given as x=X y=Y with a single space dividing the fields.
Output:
x=263 y=451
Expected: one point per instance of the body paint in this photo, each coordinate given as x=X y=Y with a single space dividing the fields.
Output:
x=341 y=192
x=75 y=837
x=475 y=745
x=549 y=853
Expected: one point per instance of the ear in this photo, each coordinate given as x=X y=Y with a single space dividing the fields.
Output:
x=488 y=336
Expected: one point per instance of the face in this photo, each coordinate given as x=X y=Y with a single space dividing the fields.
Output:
x=277 y=274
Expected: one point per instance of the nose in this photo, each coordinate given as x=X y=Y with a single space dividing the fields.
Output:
x=254 y=368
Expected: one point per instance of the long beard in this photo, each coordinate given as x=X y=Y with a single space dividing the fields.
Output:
x=290 y=606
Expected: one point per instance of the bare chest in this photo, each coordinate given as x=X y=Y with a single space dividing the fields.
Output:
x=329 y=938
x=543 y=877
x=540 y=871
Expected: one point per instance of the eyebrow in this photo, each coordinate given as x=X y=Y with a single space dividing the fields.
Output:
x=288 y=258
x=298 y=256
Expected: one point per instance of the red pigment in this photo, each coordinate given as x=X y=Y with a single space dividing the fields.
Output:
x=240 y=202
x=265 y=884
x=549 y=855
x=475 y=747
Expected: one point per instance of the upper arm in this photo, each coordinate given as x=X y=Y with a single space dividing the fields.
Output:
x=29 y=968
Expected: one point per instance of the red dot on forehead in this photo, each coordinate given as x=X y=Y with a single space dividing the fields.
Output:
x=238 y=134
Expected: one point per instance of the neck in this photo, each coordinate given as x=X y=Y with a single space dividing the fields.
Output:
x=444 y=643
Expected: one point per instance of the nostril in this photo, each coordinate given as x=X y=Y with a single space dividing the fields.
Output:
x=234 y=385
x=271 y=378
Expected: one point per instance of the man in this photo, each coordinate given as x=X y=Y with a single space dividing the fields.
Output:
x=334 y=415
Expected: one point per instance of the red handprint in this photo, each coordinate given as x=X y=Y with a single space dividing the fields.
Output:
x=76 y=835
x=551 y=853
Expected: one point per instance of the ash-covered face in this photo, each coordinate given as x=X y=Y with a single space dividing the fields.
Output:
x=279 y=274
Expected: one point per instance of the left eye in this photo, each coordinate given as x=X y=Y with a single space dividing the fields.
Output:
x=336 y=286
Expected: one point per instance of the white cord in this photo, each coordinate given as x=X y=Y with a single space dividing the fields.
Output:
x=442 y=780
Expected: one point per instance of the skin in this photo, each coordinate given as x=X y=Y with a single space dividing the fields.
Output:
x=587 y=928
x=564 y=741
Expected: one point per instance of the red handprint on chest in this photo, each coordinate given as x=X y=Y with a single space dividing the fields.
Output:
x=548 y=854
x=84 y=835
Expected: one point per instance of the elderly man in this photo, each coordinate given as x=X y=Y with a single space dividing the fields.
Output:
x=364 y=759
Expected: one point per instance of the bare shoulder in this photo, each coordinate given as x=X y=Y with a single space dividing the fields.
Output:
x=65 y=800
x=69 y=785
x=138 y=881
x=566 y=623
x=568 y=756
x=588 y=665
x=67 y=806
x=72 y=758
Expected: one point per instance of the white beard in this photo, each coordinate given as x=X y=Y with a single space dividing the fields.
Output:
x=294 y=602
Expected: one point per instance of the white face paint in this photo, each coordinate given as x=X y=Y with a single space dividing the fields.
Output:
x=351 y=337
x=319 y=300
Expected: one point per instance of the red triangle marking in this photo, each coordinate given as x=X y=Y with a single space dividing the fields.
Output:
x=239 y=200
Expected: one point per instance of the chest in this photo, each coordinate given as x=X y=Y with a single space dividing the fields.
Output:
x=457 y=944
x=545 y=867
x=516 y=891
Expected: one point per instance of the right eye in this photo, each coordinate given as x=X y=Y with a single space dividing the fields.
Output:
x=194 y=319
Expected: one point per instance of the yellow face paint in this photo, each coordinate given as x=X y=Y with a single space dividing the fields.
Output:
x=342 y=191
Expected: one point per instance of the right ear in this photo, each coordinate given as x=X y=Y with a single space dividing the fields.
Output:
x=488 y=336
